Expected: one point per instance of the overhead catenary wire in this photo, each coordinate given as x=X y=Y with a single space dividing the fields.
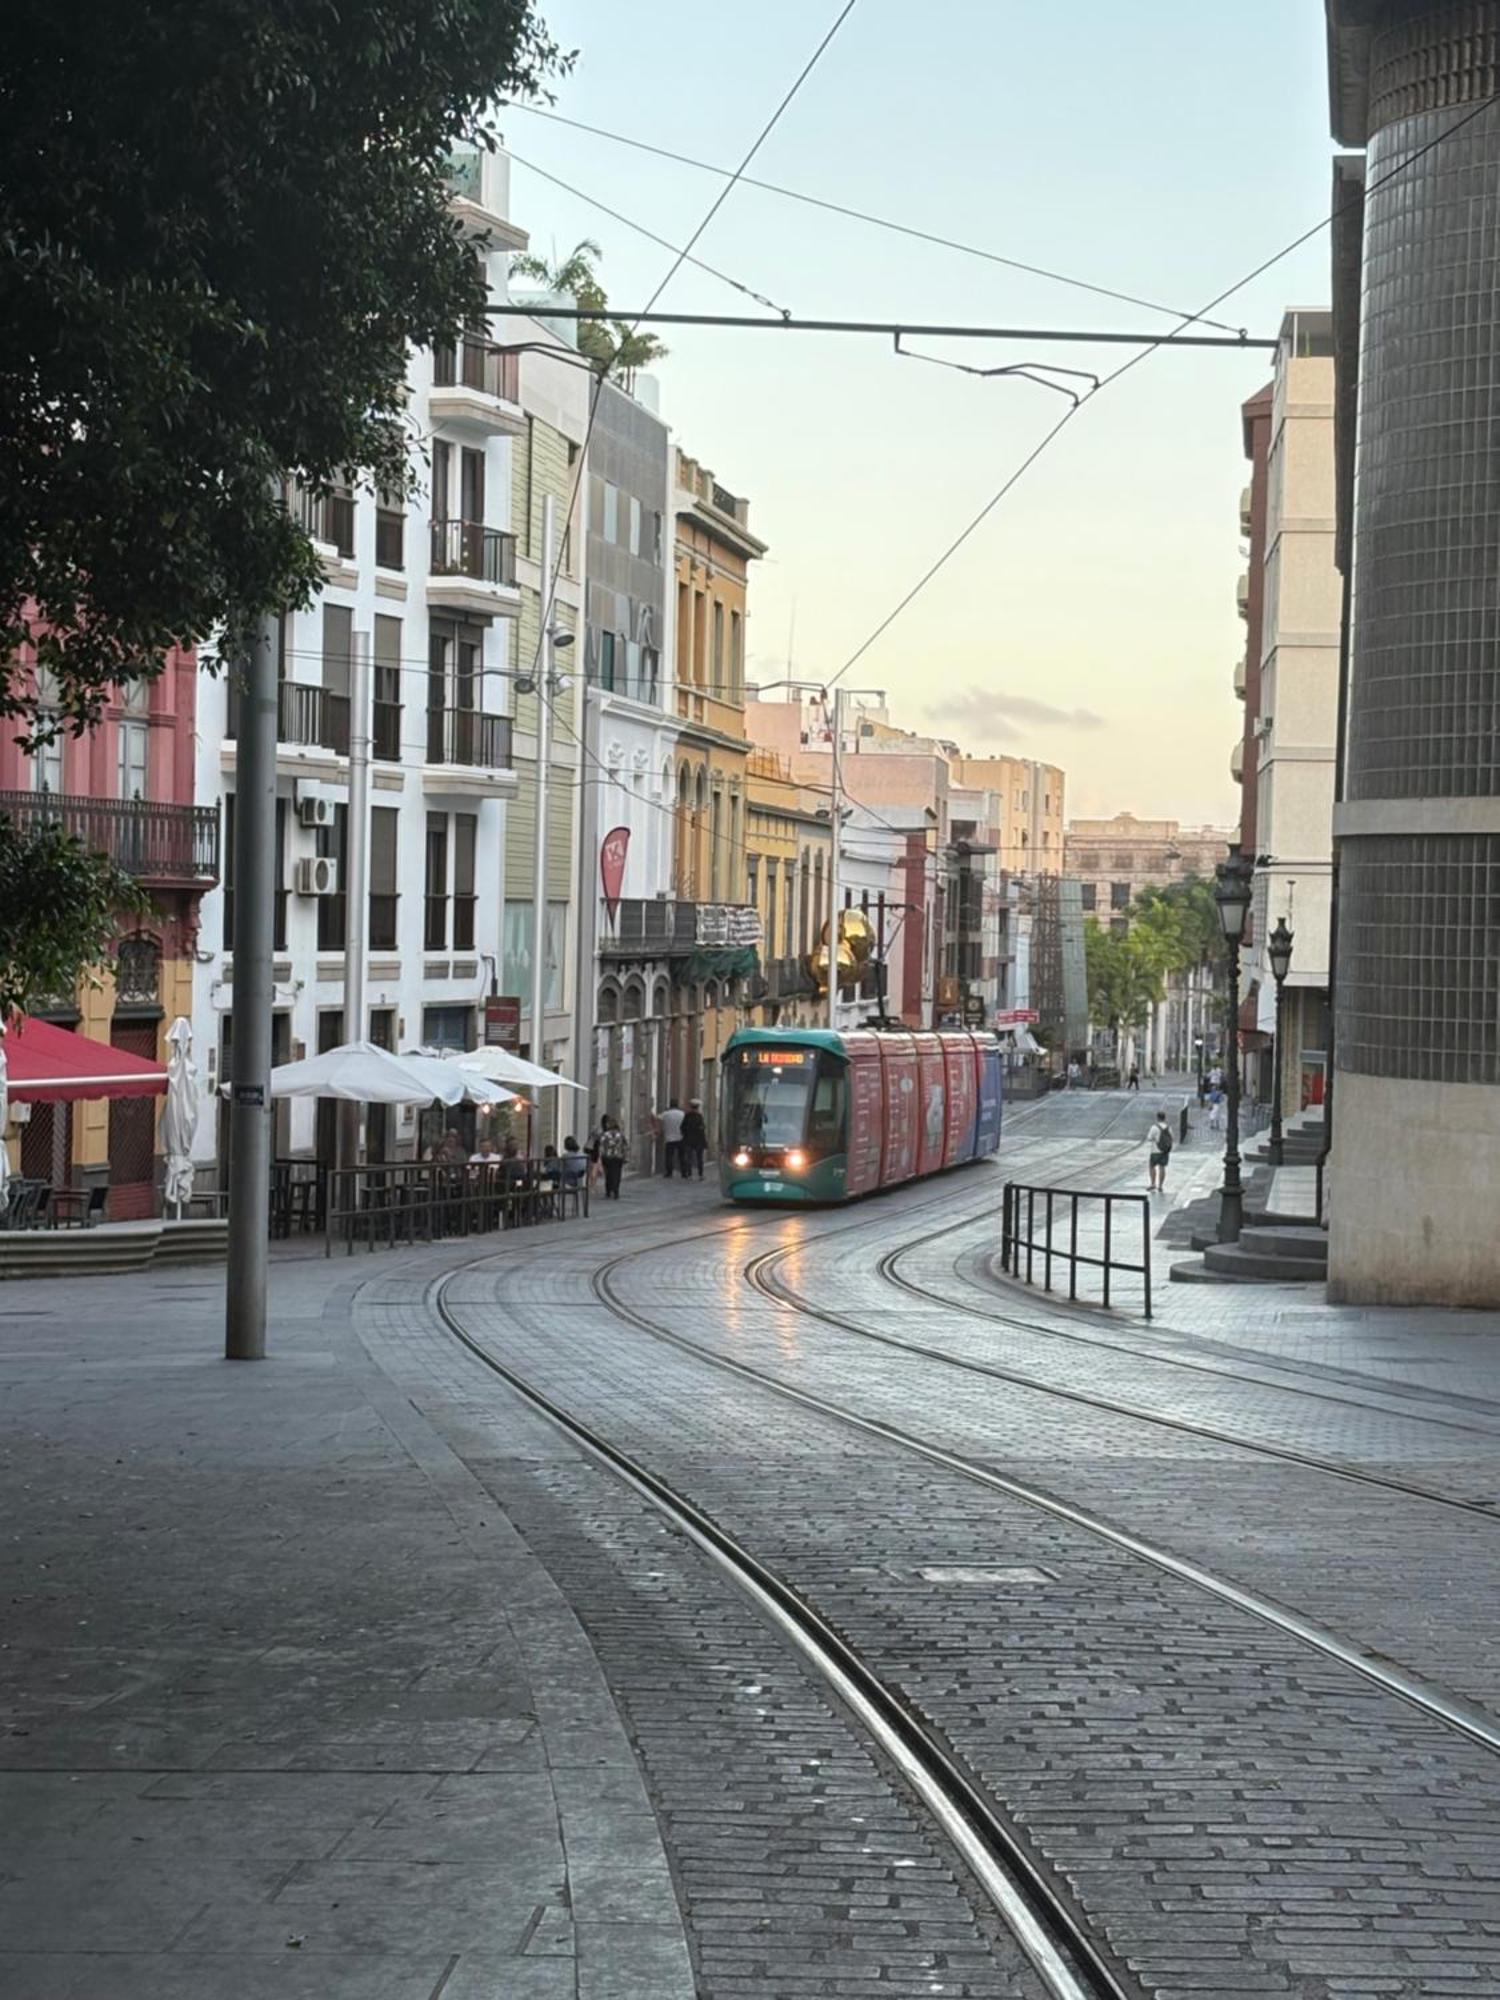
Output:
x=863 y=215
x=1402 y=166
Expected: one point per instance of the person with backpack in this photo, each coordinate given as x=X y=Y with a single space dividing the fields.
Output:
x=1160 y=1142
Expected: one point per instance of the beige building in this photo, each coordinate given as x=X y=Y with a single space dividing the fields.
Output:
x=1029 y=796
x=1114 y=859
x=1294 y=733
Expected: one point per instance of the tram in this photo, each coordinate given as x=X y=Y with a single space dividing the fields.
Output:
x=808 y=1115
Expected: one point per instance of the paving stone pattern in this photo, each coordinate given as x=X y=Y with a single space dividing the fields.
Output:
x=1238 y=1814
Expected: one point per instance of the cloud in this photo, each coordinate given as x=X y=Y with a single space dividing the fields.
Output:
x=1008 y=715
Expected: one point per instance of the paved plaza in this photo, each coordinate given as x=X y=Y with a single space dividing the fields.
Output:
x=350 y=1674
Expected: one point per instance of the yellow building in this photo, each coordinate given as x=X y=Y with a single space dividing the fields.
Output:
x=788 y=849
x=714 y=551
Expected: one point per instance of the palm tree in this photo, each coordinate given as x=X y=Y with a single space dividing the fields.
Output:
x=614 y=345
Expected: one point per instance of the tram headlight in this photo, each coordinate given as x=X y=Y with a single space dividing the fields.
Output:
x=795 y=1160
x=742 y=1159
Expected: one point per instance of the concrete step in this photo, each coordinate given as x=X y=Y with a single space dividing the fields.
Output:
x=1233 y=1260
x=77 y=1253
x=1303 y=1240
x=1194 y=1271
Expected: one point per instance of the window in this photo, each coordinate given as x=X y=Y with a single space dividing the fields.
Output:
x=653 y=553
x=607 y=660
x=770 y=906
x=465 y=840
x=752 y=880
x=390 y=531
x=632 y=669
x=736 y=654
x=386 y=731
x=442 y=477
x=435 y=922
x=471 y=477
x=634 y=543
x=515 y=952
x=385 y=824
x=333 y=842
x=1124 y=862
x=650 y=675
x=1090 y=894
x=1119 y=895
x=611 y=512
x=47 y=761
x=134 y=741
x=447 y=1027
x=718 y=681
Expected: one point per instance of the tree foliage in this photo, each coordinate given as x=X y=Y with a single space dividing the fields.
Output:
x=615 y=347
x=1170 y=929
x=60 y=909
x=222 y=223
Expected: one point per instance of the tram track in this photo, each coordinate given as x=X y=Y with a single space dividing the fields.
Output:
x=1034 y=1901
x=759 y=1274
x=1024 y=1891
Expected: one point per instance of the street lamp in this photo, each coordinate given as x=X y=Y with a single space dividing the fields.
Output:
x=1232 y=890
x=1279 y=952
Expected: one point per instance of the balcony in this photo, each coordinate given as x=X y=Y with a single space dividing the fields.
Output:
x=1245 y=512
x=656 y=928
x=329 y=519
x=1237 y=762
x=726 y=718
x=1241 y=669
x=308 y=717
x=161 y=844
x=468 y=739
x=477 y=197
x=1242 y=594
x=473 y=570
x=477 y=386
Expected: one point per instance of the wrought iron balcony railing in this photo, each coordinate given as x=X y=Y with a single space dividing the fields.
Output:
x=154 y=843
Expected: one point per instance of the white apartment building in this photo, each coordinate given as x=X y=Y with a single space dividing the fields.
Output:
x=1297 y=726
x=434 y=585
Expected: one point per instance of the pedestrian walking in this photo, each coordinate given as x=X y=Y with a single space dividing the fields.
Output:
x=671 y=1122
x=614 y=1148
x=1133 y=1082
x=1159 y=1139
x=694 y=1139
x=1215 y=1109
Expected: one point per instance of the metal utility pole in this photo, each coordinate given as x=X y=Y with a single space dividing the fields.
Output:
x=835 y=919
x=356 y=878
x=544 y=692
x=250 y=1015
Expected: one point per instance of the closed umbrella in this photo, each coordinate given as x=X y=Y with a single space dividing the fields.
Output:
x=179 y=1119
x=4 y=1119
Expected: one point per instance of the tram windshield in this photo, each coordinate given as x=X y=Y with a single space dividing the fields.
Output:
x=781 y=1097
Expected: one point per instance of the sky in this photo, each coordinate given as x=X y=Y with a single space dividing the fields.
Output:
x=1163 y=150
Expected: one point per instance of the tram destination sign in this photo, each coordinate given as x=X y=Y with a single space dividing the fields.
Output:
x=776 y=1058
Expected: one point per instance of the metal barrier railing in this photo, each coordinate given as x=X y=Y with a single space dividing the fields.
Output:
x=424 y=1202
x=1019 y=1209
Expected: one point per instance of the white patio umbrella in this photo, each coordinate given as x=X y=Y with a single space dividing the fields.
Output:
x=361 y=1073
x=494 y=1061
x=179 y=1119
x=477 y=1088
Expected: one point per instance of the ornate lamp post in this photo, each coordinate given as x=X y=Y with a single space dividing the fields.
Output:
x=1232 y=889
x=1279 y=952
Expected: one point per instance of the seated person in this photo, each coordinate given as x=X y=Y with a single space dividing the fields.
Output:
x=517 y=1167
x=575 y=1163
x=551 y=1164
x=487 y=1156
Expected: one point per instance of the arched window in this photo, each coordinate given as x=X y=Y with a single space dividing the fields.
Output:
x=138 y=971
x=609 y=1004
x=635 y=1000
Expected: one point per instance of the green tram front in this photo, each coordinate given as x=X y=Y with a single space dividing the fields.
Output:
x=784 y=1116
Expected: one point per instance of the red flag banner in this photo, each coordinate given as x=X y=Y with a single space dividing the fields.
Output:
x=612 y=852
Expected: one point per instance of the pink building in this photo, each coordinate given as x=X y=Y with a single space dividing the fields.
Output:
x=125 y=788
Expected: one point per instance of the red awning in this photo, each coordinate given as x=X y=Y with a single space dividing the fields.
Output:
x=52 y=1065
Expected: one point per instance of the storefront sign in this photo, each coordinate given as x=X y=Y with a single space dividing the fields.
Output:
x=502 y=1021
x=974 y=1010
x=612 y=852
x=1015 y=1017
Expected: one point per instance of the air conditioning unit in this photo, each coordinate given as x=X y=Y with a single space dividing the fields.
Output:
x=317 y=875
x=314 y=809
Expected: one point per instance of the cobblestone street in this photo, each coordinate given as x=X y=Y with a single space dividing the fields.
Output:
x=439 y=1703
